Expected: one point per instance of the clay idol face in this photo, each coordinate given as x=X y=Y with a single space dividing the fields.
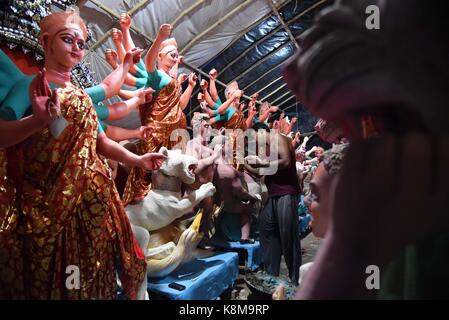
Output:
x=170 y=58
x=63 y=38
x=68 y=46
x=168 y=54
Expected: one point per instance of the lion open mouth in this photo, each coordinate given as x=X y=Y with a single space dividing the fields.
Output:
x=192 y=169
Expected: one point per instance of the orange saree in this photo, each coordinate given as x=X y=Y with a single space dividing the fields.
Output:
x=237 y=121
x=60 y=211
x=164 y=115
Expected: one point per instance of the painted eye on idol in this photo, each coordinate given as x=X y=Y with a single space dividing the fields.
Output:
x=68 y=40
x=81 y=44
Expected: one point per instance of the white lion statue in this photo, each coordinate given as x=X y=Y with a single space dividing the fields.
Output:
x=153 y=219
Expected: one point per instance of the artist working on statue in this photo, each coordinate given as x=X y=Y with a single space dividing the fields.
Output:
x=319 y=202
x=279 y=225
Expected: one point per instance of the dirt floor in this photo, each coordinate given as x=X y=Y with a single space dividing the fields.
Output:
x=241 y=291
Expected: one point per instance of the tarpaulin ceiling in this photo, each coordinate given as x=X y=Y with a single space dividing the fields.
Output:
x=246 y=40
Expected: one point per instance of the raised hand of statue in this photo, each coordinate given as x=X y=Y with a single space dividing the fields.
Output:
x=111 y=58
x=165 y=31
x=294 y=120
x=133 y=56
x=193 y=79
x=182 y=77
x=252 y=108
x=145 y=132
x=200 y=97
x=204 y=84
x=237 y=94
x=44 y=101
x=145 y=95
x=213 y=74
x=117 y=35
x=152 y=161
x=125 y=21
x=297 y=136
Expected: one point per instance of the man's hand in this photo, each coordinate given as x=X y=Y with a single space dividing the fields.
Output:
x=152 y=161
